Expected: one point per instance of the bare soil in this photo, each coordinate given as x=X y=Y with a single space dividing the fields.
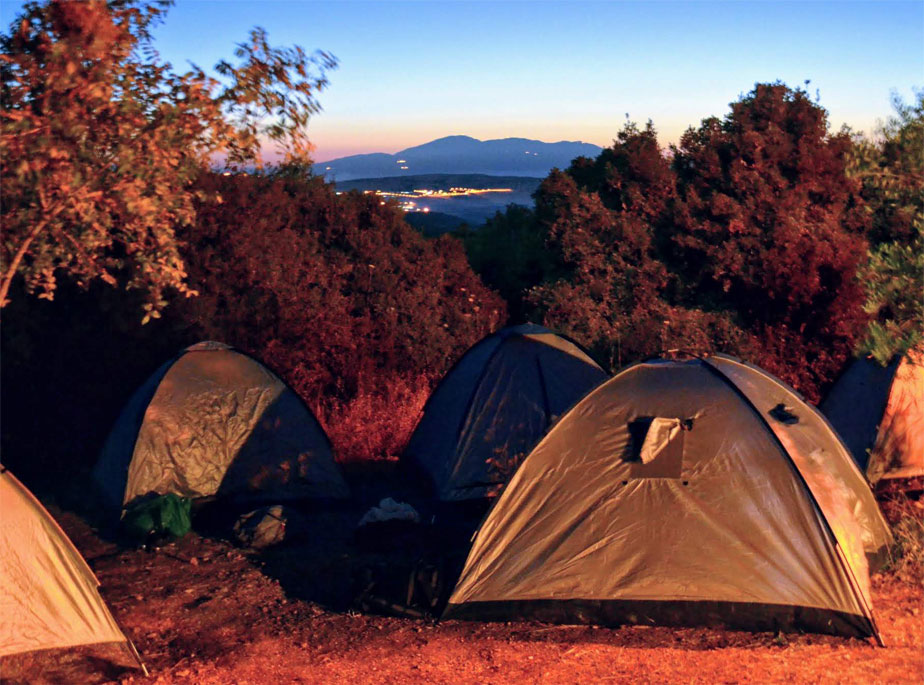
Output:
x=202 y=610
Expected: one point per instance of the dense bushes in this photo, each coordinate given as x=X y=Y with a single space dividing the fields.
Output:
x=746 y=238
x=349 y=304
x=338 y=294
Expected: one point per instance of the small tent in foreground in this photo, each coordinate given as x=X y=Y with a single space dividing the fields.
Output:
x=493 y=407
x=214 y=422
x=49 y=597
x=682 y=492
x=879 y=413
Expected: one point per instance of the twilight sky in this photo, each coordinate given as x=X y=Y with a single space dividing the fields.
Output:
x=413 y=71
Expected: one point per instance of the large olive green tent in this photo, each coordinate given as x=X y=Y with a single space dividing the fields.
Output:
x=682 y=492
x=49 y=597
x=879 y=413
x=493 y=407
x=215 y=422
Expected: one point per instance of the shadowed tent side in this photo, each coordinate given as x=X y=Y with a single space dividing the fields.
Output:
x=494 y=405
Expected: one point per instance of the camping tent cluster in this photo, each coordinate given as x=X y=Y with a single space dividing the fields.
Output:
x=683 y=490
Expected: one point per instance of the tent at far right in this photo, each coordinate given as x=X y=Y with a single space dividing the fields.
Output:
x=879 y=413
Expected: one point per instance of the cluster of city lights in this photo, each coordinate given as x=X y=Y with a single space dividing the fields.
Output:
x=407 y=200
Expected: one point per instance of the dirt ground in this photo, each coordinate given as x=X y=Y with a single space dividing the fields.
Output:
x=201 y=610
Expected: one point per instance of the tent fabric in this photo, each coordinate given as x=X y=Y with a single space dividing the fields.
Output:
x=214 y=422
x=832 y=476
x=49 y=597
x=721 y=526
x=493 y=407
x=879 y=413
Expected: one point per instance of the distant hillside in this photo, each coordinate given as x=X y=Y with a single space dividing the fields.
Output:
x=461 y=155
x=470 y=209
x=434 y=224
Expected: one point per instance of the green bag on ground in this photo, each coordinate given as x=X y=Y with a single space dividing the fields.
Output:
x=157 y=516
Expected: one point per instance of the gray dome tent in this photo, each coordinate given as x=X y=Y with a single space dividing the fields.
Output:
x=682 y=492
x=215 y=422
x=493 y=407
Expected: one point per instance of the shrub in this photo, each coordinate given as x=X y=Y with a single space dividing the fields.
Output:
x=377 y=421
x=747 y=238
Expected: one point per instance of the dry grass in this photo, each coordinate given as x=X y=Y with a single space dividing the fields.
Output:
x=377 y=423
x=906 y=514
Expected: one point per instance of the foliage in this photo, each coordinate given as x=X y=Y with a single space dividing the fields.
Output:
x=745 y=238
x=891 y=170
x=509 y=253
x=339 y=295
x=903 y=507
x=907 y=554
x=378 y=420
x=770 y=228
x=101 y=141
x=598 y=216
x=68 y=367
x=894 y=281
x=352 y=307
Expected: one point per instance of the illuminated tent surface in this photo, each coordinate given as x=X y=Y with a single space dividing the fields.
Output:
x=493 y=407
x=879 y=413
x=49 y=597
x=684 y=493
x=215 y=422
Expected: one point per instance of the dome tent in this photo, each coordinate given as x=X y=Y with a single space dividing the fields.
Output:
x=879 y=413
x=494 y=405
x=49 y=597
x=215 y=422
x=687 y=493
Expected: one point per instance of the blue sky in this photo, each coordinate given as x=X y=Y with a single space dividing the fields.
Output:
x=413 y=71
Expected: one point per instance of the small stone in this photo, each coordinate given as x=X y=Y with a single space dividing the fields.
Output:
x=194 y=561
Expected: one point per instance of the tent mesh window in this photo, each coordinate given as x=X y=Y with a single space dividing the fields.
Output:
x=655 y=446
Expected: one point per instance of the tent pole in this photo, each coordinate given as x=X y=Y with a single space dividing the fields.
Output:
x=131 y=646
x=136 y=655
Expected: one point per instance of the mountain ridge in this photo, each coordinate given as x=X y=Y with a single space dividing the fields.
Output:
x=461 y=154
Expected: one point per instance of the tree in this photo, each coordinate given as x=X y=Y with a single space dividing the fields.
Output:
x=891 y=171
x=745 y=238
x=101 y=142
x=599 y=217
x=509 y=253
x=770 y=227
x=605 y=218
